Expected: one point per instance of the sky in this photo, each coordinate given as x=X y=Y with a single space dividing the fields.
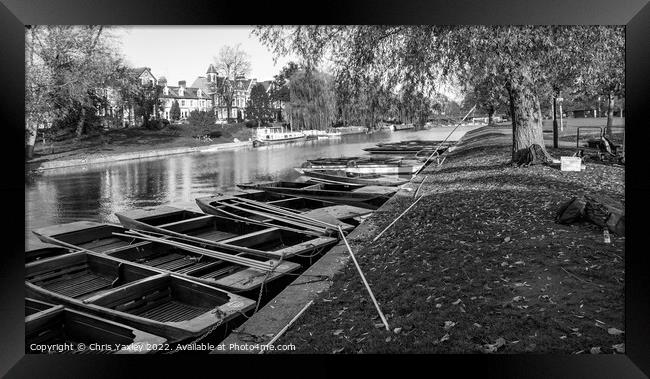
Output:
x=185 y=52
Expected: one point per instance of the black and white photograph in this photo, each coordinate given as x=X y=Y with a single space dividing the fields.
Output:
x=326 y=189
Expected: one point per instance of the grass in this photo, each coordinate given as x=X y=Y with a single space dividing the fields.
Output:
x=480 y=266
x=118 y=141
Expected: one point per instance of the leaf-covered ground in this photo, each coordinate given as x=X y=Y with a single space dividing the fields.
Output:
x=480 y=266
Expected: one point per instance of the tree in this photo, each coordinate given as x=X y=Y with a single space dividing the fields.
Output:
x=312 y=104
x=175 y=111
x=147 y=102
x=417 y=57
x=67 y=69
x=232 y=63
x=606 y=76
x=258 y=107
x=279 y=92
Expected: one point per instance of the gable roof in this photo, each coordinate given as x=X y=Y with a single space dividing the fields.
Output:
x=202 y=83
x=266 y=84
x=211 y=69
x=189 y=93
x=242 y=84
x=138 y=71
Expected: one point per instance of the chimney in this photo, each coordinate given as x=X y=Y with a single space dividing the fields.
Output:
x=182 y=83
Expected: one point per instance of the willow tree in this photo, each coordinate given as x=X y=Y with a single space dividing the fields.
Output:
x=312 y=102
x=513 y=57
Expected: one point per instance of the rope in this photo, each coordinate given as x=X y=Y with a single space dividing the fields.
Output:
x=259 y=297
x=443 y=141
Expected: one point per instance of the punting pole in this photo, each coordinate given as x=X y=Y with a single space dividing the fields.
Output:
x=286 y=327
x=421 y=183
x=383 y=318
x=443 y=141
x=398 y=217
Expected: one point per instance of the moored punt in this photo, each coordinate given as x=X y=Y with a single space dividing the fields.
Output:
x=274 y=216
x=90 y=235
x=337 y=193
x=80 y=275
x=232 y=272
x=163 y=304
x=405 y=150
x=239 y=236
x=363 y=166
x=225 y=269
x=335 y=176
x=34 y=306
x=308 y=185
x=57 y=325
x=347 y=216
x=45 y=251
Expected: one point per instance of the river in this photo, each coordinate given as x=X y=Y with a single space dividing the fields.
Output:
x=96 y=192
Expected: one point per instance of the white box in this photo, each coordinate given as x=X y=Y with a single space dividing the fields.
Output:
x=570 y=163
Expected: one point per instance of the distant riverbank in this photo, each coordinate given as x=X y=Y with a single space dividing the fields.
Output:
x=135 y=143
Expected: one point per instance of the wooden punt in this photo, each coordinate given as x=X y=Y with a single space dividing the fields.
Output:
x=163 y=305
x=232 y=277
x=346 y=216
x=80 y=275
x=34 y=306
x=57 y=325
x=90 y=235
x=360 y=196
x=334 y=176
x=365 y=166
x=307 y=185
x=45 y=251
x=317 y=222
x=211 y=266
x=241 y=237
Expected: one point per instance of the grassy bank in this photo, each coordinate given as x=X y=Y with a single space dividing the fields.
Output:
x=479 y=266
x=119 y=141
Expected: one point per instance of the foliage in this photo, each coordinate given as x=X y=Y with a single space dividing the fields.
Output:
x=231 y=63
x=175 y=111
x=67 y=69
x=519 y=61
x=147 y=102
x=312 y=104
x=258 y=107
x=204 y=119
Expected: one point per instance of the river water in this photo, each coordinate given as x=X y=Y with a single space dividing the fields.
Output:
x=96 y=192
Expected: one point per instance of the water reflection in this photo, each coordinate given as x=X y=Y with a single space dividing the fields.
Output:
x=98 y=191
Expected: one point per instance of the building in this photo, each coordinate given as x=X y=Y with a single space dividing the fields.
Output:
x=118 y=111
x=189 y=99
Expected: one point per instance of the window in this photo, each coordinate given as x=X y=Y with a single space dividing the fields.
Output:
x=182 y=103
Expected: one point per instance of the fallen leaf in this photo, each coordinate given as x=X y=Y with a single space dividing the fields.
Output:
x=388 y=339
x=337 y=332
x=335 y=351
x=620 y=348
x=444 y=338
x=478 y=325
x=595 y=350
x=614 y=331
x=397 y=330
x=457 y=302
x=449 y=325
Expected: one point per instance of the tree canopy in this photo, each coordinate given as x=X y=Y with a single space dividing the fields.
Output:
x=520 y=61
x=259 y=107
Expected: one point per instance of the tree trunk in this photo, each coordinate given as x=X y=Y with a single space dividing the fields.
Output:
x=610 y=115
x=526 y=116
x=491 y=116
x=32 y=129
x=80 y=123
x=555 y=130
